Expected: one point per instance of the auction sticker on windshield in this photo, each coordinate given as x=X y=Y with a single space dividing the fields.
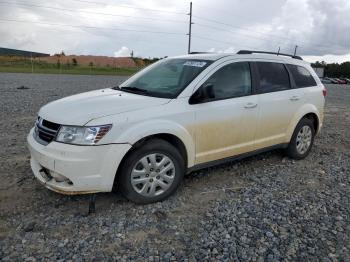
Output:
x=195 y=63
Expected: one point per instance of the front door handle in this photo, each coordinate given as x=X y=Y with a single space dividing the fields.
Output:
x=250 y=105
x=294 y=98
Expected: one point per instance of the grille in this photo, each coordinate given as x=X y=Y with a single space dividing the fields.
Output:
x=45 y=131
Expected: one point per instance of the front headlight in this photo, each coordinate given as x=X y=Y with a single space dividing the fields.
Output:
x=77 y=135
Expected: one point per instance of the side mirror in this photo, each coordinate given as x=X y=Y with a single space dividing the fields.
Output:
x=203 y=94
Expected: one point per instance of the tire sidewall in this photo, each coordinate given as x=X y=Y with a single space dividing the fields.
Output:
x=293 y=143
x=151 y=147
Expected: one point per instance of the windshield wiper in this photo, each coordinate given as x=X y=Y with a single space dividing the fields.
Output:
x=134 y=89
x=116 y=88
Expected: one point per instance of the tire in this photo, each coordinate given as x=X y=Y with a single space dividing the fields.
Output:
x=143 y=178
x=304 y=133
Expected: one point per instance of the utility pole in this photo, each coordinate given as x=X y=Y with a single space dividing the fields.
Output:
x=190 y=29
x=295 y=50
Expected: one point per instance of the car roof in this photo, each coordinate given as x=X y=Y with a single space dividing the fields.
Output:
x=217 y=56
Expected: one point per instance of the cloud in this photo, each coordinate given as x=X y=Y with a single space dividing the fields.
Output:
x=122 y=52
x=328 y=58
x=228 y=50
x=318 y=27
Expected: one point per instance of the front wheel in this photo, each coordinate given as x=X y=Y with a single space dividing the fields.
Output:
x=302 y=139
x=151 y=172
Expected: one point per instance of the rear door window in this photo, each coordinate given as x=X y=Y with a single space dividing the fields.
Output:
x=302 y=76
x=273 y=77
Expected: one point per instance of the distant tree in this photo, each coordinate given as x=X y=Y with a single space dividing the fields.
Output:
x=74 y=62
x=334 y=69
x=132 y=53
x=91 y=64
x=62 y=53
x=318 y=64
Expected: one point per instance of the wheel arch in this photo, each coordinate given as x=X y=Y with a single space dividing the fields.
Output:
x=315 y=120
x=308 y=111
x=168 y=137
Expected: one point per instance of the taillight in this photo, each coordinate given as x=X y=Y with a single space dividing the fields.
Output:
x=324 y=92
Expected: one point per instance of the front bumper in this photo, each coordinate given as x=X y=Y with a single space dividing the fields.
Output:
x=85 y=169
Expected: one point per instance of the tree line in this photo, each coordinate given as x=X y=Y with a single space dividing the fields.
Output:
x=334 y=69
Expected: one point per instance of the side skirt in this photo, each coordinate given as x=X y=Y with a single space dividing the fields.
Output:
x=235 y=158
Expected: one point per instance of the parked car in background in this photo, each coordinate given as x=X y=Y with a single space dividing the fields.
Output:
x=347 y=80
x=325 y=80
x=178 y=115
x=333 y=81
x=341 y=82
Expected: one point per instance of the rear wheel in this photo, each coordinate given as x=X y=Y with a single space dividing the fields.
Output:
x=151 y=172
x=302 y=139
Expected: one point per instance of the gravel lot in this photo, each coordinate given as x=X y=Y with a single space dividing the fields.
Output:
x=266 y=207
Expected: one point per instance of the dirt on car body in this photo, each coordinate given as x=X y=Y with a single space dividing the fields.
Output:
x=263 y=207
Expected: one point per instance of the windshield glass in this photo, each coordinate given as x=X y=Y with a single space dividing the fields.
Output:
x=167 y=78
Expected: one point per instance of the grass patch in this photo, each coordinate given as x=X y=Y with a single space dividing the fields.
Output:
x=75 y=70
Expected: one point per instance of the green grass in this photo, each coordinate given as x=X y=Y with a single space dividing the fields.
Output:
x=76 y=70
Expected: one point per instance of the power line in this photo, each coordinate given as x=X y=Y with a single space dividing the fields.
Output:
x=154 y=19
x=91 y=12
x=131 y=7
x=239 y=27
x=220 y=41
x=93 y=27
x=256 y=32
x=245 y=46
x=228 y=14
x=233 y=32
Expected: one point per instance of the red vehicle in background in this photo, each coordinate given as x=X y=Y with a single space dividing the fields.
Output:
x=340 y=81
x=347 y=80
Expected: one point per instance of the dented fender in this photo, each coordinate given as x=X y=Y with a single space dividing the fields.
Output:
x=153 y=127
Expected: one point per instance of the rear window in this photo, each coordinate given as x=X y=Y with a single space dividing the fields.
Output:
x=302 y=76
x=273 y=77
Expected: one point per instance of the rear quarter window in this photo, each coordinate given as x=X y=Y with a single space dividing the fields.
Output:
x=302 y=77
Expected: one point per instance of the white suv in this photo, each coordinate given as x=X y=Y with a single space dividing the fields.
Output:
x=177 y=115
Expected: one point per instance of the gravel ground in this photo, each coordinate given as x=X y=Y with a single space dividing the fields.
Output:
x=266 y=207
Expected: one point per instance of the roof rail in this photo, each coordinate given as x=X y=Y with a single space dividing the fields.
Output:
x=196 y=53
x=246 y=52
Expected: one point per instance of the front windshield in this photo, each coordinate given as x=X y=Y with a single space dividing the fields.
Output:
x=167 y=78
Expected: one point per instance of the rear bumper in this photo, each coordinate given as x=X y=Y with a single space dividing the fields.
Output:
x=70 y=169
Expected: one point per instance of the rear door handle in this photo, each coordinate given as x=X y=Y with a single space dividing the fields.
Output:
x=250 y=105
x=294 y=98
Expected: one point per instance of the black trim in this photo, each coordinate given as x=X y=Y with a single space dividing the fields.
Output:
x=255 y=77
x=249 y=52
x=235 y=158
x=197 y=53
x=291 y=78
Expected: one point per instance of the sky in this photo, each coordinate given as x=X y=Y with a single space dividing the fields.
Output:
x=154 y=28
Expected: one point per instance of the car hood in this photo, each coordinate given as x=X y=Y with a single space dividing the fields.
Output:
x=82 y=108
